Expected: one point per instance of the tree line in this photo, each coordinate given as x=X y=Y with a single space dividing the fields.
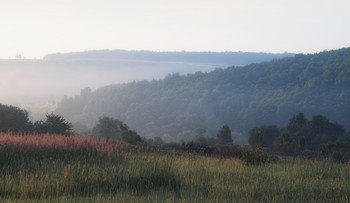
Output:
x=16 y=120
x=304 y=137
x=300 y=137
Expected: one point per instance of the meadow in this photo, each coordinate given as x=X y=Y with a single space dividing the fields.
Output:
x=56 y=168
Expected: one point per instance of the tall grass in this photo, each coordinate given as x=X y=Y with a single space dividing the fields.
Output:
x=52 y=142
x=61 y=172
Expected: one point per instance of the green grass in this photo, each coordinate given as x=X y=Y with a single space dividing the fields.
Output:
x=61 y=175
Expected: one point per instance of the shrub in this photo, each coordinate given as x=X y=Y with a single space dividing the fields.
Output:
x=54 y=124
x=14 y=119
x=338 y=151
x=256 y=156
x=194 y=147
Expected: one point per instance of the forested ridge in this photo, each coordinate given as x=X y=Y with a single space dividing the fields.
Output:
x=215 y=58
x=241 y=97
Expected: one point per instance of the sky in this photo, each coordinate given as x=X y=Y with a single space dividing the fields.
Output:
x=33 y=28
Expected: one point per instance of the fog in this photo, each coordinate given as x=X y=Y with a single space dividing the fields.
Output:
x=56 y=75
x=39 y=85
x=31 y=81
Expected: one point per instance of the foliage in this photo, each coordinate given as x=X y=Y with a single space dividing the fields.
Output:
x=284 y=144
x=300 y=134
x=111 y=128
x=295 y=125
x=338 y=150
x=263 y=136
x=256 y=156
x=197 y=136
x=199 y=148
x=14 y=119
x=131 y=137
x=242 y=97
x=107 y=127
x=224 y=137
x=256 y=137
x=54 y=124
x=319 y=130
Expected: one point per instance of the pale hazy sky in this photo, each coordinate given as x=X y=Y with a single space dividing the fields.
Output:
x=34 y=28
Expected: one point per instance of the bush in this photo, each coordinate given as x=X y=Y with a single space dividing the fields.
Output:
x=254 y=157
x=338 y=151
x=111 y=128
x=54 y=124
x=14 y=119
x=194 y=147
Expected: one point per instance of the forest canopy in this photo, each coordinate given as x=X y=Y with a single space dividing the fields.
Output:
x=242 y=97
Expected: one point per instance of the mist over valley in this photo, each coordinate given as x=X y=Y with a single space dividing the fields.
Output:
x=56 y=75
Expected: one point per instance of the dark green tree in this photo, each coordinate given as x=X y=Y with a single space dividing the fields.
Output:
x=111 y=128
x=54 y=124
x=107 y=127
x=14 y=119
x=263 y=135
x=302 y=143
x=338 y=150
x=224 y=138
x=284 y=144
x=256 y=138
x=131 y=137
x=296 y=123
x=319 y=130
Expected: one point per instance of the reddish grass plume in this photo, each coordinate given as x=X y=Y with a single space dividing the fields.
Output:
x=59 y=142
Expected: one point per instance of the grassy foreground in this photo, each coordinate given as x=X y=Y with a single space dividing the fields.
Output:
x=69 y=172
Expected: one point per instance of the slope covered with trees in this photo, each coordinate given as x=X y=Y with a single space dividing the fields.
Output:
x=241 y=97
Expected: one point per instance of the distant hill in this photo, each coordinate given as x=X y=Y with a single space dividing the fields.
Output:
x=213 y=59
x=242 y=97
x=57 y=75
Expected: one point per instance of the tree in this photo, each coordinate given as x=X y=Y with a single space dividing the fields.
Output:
x=111 y=128
x=302 y=143
x=338 y=150
x=107 y=128
x=224 y=138
x=131 y=137
x=284 y=144
x=255 y=138
x=54 y=124
x=319 y=130
x=295 y=124
x=310 y=134
x=14 y=119
x=263 y=135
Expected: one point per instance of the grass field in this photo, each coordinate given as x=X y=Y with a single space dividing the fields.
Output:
x=70 y=169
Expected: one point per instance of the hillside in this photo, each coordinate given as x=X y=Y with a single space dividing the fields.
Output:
x=242 y=97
